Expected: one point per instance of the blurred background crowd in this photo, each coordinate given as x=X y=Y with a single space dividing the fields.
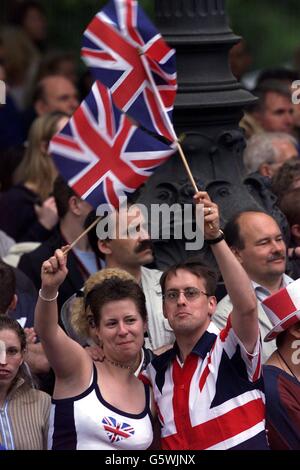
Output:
x=45 y=82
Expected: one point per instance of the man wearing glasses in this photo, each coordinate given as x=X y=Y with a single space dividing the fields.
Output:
x=208 y=387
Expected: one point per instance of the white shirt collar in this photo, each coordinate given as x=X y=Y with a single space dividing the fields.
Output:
x=262 y=292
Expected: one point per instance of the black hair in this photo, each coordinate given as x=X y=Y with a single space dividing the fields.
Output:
x=10 y=159
x=290 y=206
x=39 y=92
x=278 y=73
x=92 y=234
x=113 y=289
x=283 y=179
x=232 y=229
x=7 y=323
x=202 y=271
x=19 y=12
x=62 y=193
x=270 y=86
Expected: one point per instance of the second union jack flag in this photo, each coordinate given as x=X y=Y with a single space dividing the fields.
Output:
x=101 y=154
x=112 y=45
x=117 y=431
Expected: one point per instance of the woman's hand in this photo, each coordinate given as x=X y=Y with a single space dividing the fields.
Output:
x=54 y=272
x=95 y=352
x=47 y=213
x=210 y=213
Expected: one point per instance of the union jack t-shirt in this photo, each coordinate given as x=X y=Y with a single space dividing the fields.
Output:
x=215 y=399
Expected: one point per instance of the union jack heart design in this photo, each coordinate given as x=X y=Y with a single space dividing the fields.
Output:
x=117 y=431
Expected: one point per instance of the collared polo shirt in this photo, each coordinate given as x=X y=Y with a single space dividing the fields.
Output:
x=215 y=399
x=262 y=292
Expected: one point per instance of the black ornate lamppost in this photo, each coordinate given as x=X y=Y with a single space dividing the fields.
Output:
x=208 y=108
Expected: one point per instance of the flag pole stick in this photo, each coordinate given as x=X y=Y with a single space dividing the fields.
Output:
x=167 y=119
x=188 y=170
x=70 y=247
x=176 y=141
x=168 y=123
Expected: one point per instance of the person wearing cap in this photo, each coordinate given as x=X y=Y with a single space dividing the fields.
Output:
x=282 y=370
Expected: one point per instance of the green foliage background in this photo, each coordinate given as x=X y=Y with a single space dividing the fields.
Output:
x=69 y=18
x=270 y=27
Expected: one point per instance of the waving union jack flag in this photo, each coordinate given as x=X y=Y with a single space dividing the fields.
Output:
x=112 y=47
x=102 y=154
x=117 y=431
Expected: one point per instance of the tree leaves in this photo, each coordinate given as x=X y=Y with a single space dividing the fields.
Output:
x=270 y=28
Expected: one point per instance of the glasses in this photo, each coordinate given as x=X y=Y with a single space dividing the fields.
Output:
x=190 y=293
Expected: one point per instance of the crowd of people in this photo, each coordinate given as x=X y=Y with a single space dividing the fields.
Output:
x=100 y=350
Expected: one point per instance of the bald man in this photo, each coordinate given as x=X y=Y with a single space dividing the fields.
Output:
x=55 y=93
x=257 y=242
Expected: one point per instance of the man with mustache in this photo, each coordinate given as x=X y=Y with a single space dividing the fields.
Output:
x=130 y=248
x=257 y=242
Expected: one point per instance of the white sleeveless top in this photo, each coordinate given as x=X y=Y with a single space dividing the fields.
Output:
x=88 y=422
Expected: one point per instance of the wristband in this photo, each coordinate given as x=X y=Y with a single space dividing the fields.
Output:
x=213 y=241
x=45 y=299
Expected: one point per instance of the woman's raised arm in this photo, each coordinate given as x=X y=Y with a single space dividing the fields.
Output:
x=65 y=356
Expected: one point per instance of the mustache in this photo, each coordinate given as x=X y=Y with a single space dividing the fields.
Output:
x=276 y=256
x=144 y=245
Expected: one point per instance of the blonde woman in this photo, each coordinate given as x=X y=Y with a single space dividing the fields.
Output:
x=27 y=210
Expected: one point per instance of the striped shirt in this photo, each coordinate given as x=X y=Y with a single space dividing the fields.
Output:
x=215 y=399
x=24 y=418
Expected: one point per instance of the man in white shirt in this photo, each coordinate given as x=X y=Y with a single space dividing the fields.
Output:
x=131 y=253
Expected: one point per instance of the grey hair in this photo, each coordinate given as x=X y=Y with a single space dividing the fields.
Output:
x=260 y=149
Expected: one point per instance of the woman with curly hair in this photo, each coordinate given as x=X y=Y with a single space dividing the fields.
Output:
x=79 y=323
x=96 y=405
x=286 y=178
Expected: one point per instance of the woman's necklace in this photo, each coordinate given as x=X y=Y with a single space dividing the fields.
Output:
x=118 y=364
x=281 y=358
